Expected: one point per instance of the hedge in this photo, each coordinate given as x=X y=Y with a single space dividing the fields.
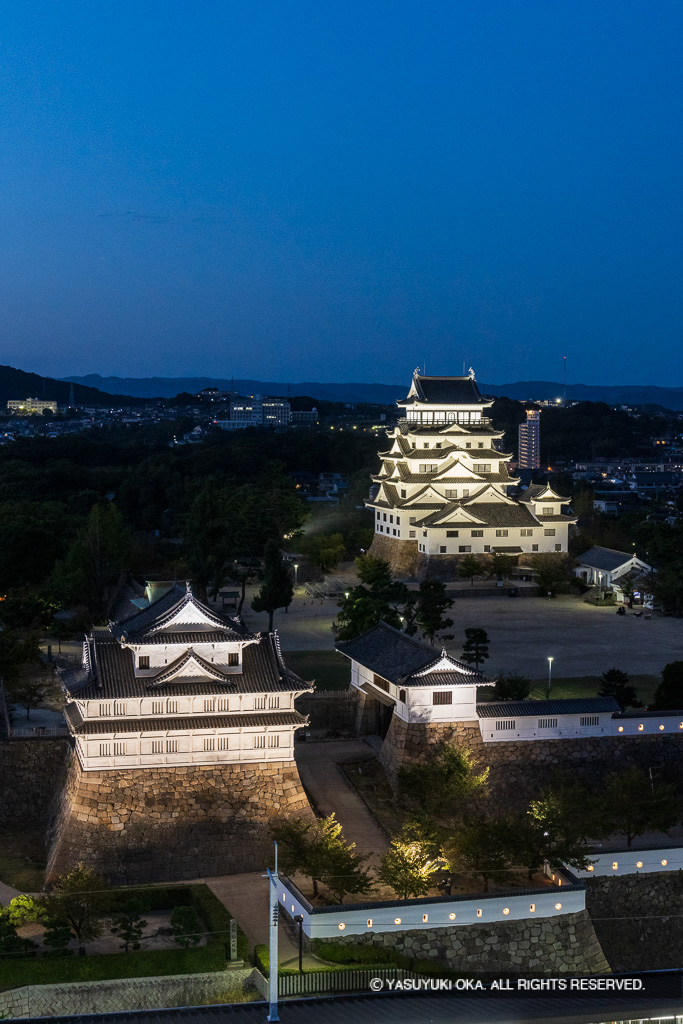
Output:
x=262 y=961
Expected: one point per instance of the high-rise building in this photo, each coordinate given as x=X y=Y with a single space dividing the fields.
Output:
x=529 y=440
x=443 y=490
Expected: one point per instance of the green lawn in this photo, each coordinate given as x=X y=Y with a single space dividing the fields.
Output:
x=578 y=686
x=329 y=669
x=22 y=858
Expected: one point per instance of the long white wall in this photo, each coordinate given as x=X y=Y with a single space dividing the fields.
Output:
x=412 y=915
x=633 y=862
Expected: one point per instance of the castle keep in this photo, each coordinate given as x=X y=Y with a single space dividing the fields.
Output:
x=183 y=728
x=444 y=486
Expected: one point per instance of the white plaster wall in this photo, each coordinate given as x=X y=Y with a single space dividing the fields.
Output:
x=568 y=727
x=479 y=910
x=190 y=751
x=633 y=862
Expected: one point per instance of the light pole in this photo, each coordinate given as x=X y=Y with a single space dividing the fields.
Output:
x=599 y=586
x=296 y=575
x=550 y=674
x=274 y=917
x=300 y=921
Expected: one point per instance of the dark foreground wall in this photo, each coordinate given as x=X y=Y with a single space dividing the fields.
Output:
x=165 y=824
x=31 y=775
x=638 y=919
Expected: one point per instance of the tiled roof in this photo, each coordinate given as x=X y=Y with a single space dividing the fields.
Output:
x=397 y=657
x=210 y=636
x=262 y=672
x=449 y=429
x=157 y=614
x=501 y=514
x=181 y=724
x=206 y=668
x=556 y=519
x=649 y=714
x=446 y=391
x=532 y=708
x=604 y=558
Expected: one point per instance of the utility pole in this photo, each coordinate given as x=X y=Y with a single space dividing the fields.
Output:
x=273 y=950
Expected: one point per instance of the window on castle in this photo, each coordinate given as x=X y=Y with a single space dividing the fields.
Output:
x=466 y=493
x=209 y=743
x=451 y=494
x=398 y=520
x=171 y=707
x=403 y=493
x=105 y=749
x=527 y=533
x=259 y=741
x=547 y=723
x=468 y=444
x=548 y=510
x=424 y=533
x=507 y=724
x=222 y=742
x=442 y=549
x=558 y=547
x=394 y=532
x=171 y=746
x=428 y=467
x=477 y=533
x=119 y=749
x=223 y=704
x=487 y=547
x=549 y=533
x=425 y=444
x=274 y=740
x=412 y=520
x=501 y=533
x=274 y=701
x=451 y=533
x=119 y=707
x=442 y=697
x=412 y=533
x=233 y=658
x=157 y=746
x=143 y=661
x=260 y=703
x=391 y=519
x=402 y=696
x=589 y=720
x=209 y=703
x=465 y=549
x=534 y=547
x=480 y=444
x=105 y=709
x=157 y=707
x=384 y=517
x=482 y=467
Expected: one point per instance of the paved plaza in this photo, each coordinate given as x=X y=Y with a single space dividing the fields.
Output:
x=523 y=633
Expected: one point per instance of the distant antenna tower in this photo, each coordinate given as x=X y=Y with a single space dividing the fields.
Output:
x=565 y=380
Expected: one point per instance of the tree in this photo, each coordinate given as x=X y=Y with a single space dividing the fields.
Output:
x=207 y=538
x=409 y=865
x=555 y=828
x=483 y=846
x=475 y=652
x=432 y=602
x=325 y=550
x=276 y=590
x=33 y=688
x=444 y=784
x=10 y=943
x=669 y=694
x=552 y=569
x=615 y=683
x=512 y=686
x=187 y=929
x=374 y=572
x=633 y=804
x=243 y=571
x=501 y=565
x=76 y=903
x=378 y=597
x=470 y=566
x=129 y=924
x=318 y=849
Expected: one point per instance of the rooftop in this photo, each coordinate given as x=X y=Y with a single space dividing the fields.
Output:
x=531 y=708
x=607 y=559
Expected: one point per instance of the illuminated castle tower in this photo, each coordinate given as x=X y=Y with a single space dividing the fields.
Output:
x=444 y=486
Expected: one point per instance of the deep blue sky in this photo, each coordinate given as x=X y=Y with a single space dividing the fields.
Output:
x=342 y=190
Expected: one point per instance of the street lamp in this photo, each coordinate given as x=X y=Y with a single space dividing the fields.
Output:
x=296 y=575
x=599 y=585
x=550 y=674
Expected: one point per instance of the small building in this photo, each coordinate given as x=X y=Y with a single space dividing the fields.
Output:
x=606 y=567
x=31 y=406
x=259 y=411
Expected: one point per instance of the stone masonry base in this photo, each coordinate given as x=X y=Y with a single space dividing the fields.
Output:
x=559 y=945
x=165 y=824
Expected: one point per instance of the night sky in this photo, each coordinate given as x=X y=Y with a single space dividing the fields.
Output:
x=342 y=190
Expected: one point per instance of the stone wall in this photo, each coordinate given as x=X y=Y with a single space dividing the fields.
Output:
x=31 y=775
x=329 y=712
x=402 y=555
x=638 y=919
x=559 y=945
x=165 y=824
x=85 y=997
x=520 y=769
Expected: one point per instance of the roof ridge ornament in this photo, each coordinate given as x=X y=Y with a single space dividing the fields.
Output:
x=416 y=373
x=471 y=374
x=188 y=586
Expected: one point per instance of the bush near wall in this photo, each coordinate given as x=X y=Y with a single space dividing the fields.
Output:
x=16 y=971
x=350 y=957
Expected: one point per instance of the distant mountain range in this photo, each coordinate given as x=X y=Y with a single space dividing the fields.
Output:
x=20 y=384
x=385 y=394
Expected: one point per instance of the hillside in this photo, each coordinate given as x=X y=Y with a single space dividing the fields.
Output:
x=20 y=384
x=385 y=394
